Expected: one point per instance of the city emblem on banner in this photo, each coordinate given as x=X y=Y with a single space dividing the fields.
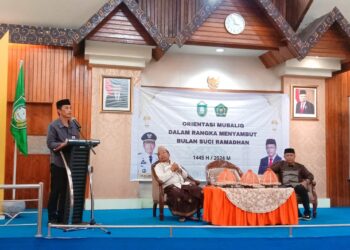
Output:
x=221 y=110
x=202 y=109
x=19 y=114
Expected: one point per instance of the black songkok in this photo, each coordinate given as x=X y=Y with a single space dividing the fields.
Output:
x=289 y=150
x=62 y=102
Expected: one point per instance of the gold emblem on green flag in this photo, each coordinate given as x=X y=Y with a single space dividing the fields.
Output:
x=19 y=121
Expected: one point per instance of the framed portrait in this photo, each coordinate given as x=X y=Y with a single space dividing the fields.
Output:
x=116 y=94
x=304 y=102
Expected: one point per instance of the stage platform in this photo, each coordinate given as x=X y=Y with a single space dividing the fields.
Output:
x=139 y=230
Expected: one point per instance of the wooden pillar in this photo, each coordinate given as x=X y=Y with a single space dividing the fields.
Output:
x=3 y=105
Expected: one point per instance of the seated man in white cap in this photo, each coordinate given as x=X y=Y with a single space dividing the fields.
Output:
x=183 y=197
x=293 y=174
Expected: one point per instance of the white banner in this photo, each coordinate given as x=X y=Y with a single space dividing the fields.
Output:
x=199 y=127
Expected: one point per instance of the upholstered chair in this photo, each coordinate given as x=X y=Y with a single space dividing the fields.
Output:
x=214 y=168
x=159 y=197
x=312 y=196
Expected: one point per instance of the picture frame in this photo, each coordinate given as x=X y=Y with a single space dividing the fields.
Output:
x=304 y=102
x=116 y=94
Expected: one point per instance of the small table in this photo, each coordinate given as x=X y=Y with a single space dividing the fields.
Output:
x=247 y=206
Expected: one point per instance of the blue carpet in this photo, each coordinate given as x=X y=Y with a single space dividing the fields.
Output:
x=18 y=237
x=176 y=244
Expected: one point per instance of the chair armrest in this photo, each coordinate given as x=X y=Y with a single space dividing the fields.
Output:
x=161 y=194
x=194 y=181
x=311 y=187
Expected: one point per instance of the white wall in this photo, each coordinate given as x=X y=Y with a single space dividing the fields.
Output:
x=113 y=188
x=191 y=71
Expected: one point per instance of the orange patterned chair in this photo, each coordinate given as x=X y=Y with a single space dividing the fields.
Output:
x=269 y=178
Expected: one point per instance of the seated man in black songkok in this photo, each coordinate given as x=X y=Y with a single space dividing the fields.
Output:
x=293 y=174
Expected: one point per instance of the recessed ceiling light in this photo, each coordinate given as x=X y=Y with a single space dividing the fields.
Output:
x=220 y=50
x=212 y=1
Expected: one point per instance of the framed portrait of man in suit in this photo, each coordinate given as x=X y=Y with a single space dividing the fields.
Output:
x=116 y=94
x=304 y=102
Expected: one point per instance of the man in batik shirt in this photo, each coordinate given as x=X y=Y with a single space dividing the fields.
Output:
x=293 y=174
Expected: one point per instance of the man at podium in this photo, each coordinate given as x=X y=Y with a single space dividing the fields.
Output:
x=59 y=131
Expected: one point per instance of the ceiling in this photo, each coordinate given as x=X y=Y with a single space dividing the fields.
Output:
x=320 y=7
x=51 y=13
x=74 y=13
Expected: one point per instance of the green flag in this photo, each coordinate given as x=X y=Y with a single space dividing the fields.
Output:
x=19 y=120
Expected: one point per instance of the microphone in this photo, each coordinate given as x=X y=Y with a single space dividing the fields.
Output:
x=76 y=123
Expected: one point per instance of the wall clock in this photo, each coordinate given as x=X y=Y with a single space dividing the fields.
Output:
x=234 y=23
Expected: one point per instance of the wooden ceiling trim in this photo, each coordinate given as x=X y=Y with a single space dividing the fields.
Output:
x=296 y=11
x=96 y=19
x=300 y=44
x=152 y=30
x=201 y=16
x=127 y=31
x=171 y=16
x=317 y=29
x=342 y=21
x=332 y=44
x=258 y=32
x=323 y=25
x=309 y=41
x=25 y=34
x=345 y=67
x=273 y=57
x=107 y=10
x=293 y=10
x=281 y=25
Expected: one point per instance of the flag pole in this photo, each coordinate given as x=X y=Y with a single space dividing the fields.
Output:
x=14 y=176
x=14 y=170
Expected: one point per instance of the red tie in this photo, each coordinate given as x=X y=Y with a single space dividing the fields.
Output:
x=270 y=162
x=302 y=108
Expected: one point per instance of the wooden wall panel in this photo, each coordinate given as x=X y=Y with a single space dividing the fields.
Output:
x=337 y=139
x=171 y=16
x=35 y=167
x=332 y=44
x=37 y=118
x=293 y=10
x=122 y=27
x=51 y=73
x=281 y=5
x=258 y=33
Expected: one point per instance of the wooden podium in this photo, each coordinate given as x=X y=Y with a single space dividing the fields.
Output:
x=77 y=164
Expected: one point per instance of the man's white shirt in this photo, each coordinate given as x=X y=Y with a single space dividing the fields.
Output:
x=168 y=177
